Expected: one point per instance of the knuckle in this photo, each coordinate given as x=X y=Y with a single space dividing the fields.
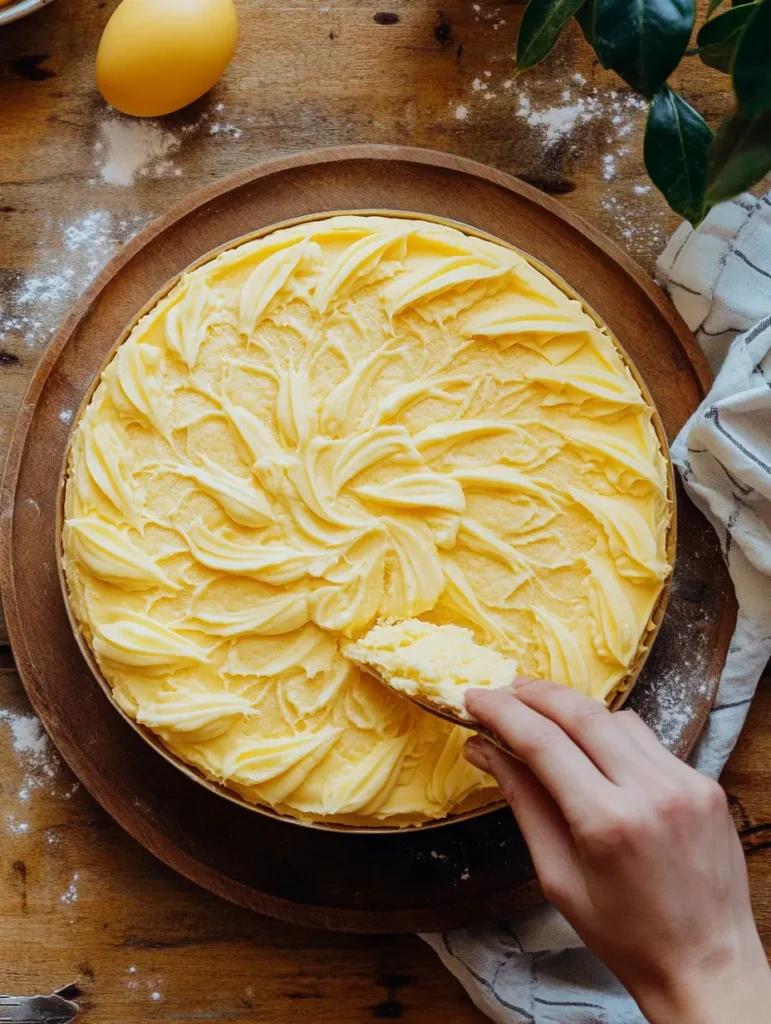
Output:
x=588 y=717
x=618 y=830
x=527 y=687
x=520 y=682
x=536 y=742
x=533 y=744
x=673 y=805
x=713 y=797
x=610 y=833
x=702 y=798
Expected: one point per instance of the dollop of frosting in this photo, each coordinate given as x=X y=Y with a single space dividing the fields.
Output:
x=350 y=420
x=436 y=664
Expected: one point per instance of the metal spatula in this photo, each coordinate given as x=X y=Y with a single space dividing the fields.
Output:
x=53 y=1009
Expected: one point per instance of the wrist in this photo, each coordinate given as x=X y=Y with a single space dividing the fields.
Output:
x=739 y=990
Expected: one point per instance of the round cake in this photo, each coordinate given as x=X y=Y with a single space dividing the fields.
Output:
x=353 y=420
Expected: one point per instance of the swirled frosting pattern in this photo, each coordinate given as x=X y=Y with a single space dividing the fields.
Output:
x=355 y=419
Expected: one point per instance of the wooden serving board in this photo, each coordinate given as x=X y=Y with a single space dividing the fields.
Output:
x=413 y=881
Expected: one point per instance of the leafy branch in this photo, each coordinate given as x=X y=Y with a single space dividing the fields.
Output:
x=644 y=41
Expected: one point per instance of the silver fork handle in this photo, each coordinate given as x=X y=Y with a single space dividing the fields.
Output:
x=37 y=1010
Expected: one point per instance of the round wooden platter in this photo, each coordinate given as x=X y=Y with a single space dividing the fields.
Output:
x=411 y=881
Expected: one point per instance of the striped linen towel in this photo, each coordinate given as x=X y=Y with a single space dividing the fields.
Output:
x=534 y=969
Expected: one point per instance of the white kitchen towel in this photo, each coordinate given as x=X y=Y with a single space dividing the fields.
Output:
x=533 y=969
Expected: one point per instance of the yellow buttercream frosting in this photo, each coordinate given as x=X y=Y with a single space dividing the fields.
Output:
x=354 y=419
x=436 y=664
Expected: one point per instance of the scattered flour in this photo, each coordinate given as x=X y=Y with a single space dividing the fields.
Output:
x=155 y=988
x=222 y=128
x=153 y=985
x=619 y=112
x=639 y=219
x=71 y=895
x=16 y=828
x=29 y=739
x=492 y=15
x=40 y=765
x=609 y=169
x=664 y=695
x=130 y=148
x=36 y=754
x=226 y=129
x=70 y=254
x=670 y=710
x=635 y=214
x=51 y=288
x=559 y=121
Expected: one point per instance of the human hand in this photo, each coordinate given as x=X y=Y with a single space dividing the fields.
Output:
x=635 y=848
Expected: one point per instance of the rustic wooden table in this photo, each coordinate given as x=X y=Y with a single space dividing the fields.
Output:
x=79 y=900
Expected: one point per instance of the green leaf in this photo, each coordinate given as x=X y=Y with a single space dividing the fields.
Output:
x=643 y=40
x=585 y=18
x=751 y=68
x=740 y=156
x=717 y=38
x=542 y=23
x=677 y=141
x=714 y=4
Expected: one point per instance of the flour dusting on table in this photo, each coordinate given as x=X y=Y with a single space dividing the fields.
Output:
x=34 y=750
x=586 y=125
x=71 y=894
x=560 y=121
x=14 y=826
x=129 y=148
x=70 y=254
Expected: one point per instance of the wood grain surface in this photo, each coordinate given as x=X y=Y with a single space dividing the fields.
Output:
x=303 y=76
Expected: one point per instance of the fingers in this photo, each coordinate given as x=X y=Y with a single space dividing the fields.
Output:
x=615 y=749
x=620 y=743
x=544 y=828
x=571 y=778
x=648 y=740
